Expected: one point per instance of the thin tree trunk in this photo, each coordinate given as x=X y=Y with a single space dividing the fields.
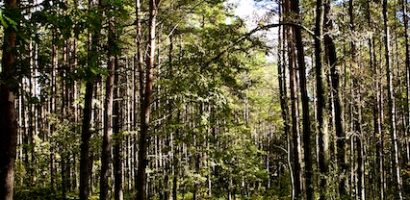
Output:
x=138 y=61
x=397 y=184
x=380 y=122
x=356 y=114
x=118 y=175
x=407 y=62
x=285 y=109
x=377 y=130
x=52 y=106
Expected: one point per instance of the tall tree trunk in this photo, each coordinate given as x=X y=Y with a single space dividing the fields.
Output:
x=85 y=157
x=138 y=61
x=8 y=119
x=321 y=96
x=356 y=120
x=85 y=142
x=146 y=101
x=296 y=143
x=407 y=62
x=377 y=129
x=392 y=108
x=305 y=104
x=64 y=156
x=380 y=121
x=331 y=60
x=108 y=112
x=52 y=105
x=118 y=175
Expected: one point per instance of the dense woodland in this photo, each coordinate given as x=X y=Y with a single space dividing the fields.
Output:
x=184 y=99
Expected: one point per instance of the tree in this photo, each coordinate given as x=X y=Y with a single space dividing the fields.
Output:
x=321 y=96
x=296 y=143
x=108 y=114
x=357 y=110
x=92 y=65
x=391 y=105
x=8 y=89
x=146 y=99
x=182 y=99
x=331 y=61
x=407 y=64
x=305 y=105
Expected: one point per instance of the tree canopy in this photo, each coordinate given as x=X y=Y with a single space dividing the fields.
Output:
x=190 y=99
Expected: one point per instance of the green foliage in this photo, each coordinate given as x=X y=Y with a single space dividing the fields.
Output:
x=212 y=76
x=64 y=139
x=6 y=21
x=37 y=194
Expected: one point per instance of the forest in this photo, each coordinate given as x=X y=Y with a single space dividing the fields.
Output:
x=191 y=99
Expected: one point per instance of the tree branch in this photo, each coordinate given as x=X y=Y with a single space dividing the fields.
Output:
x=253 y=31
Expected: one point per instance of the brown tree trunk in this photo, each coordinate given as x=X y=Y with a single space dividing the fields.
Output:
x=108 y=112
x=146 y=101
x=8 y=119
x=138 y=61
x=85 y=142
x=85 y=157
x=118 y=175
x=289 y=34
x=292 y=150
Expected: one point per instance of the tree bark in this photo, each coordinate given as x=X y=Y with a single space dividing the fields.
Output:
x=321 y=95
x=356 y=109
x=397 y=183
x=85 y=157
x=305 y=104
x=8 y=119
x=331 y=59
x=407 y=63
x=139 y=74
x=85 y=142
x=118 y=169
x=108 y=118
x=146 y=101
x=294 y=109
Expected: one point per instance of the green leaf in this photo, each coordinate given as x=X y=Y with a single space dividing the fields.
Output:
x=3 y=22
